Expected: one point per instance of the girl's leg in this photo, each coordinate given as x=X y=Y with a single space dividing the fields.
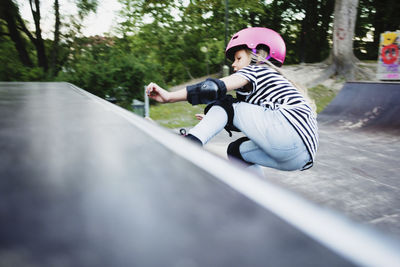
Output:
x=251 y=152
x=211 y=124
x=273 y=140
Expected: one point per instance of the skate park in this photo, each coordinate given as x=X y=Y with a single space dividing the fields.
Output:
x=96 y=185
x=85 y=181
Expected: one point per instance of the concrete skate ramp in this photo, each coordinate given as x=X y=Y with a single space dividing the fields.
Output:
x=86 y=183
x=366 y=106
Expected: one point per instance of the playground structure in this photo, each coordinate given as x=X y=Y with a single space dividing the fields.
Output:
x=86 y=183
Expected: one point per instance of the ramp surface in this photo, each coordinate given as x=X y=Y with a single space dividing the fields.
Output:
x=82 y=186
x=357 y=170
x=367 y=106
x=85 y=183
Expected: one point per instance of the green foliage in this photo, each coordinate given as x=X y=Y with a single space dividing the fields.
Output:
x=86 y=6
x=322 y=96
x=11 y=68
x=101 y=67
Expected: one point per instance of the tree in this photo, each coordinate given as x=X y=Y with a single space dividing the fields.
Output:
x=10 y=14
x=20 y=35
x=55 y=47
x=38 y=41
x=168 y=35
x=343 y=59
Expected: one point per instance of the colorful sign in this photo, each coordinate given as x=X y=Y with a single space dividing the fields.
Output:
x=389 y=60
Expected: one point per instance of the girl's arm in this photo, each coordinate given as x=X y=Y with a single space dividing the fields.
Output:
x=154 y=91
x=233 y=82
x=161 y=95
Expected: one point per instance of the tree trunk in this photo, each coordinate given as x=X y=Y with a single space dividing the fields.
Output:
x=9 y=12
x=39 y=43
x=344 y=61
x=54 y=51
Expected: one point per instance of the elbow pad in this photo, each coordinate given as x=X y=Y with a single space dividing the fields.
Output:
x=206 y=92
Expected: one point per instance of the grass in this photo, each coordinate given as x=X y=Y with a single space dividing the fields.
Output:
x=182 y=114
x=175 y=115
x=322 y=96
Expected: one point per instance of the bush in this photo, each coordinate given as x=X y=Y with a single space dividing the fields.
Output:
x=11 y=68
x=109 y=71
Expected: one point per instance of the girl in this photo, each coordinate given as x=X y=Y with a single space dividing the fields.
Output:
x=279 y=125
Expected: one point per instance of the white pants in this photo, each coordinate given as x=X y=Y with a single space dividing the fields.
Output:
x=273 y=140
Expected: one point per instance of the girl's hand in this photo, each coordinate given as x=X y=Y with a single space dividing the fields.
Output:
x=199 y=116
x=157 y=93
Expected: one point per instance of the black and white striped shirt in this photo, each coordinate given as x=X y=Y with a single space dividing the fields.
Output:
x=272 y=91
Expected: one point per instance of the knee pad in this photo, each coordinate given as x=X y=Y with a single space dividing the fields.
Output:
x=206 y=92
x=226 y=103
x=234 y=150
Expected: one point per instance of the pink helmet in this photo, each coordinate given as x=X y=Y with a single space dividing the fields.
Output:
x=252 y=37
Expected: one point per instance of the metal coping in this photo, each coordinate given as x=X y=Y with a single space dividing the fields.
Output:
x=355 y=242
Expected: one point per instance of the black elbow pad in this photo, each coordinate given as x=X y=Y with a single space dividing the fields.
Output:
x=206 y=92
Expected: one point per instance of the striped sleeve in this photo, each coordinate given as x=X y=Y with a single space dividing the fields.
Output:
x=248 y=74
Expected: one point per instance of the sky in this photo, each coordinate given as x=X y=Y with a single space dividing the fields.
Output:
x=95 y=24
